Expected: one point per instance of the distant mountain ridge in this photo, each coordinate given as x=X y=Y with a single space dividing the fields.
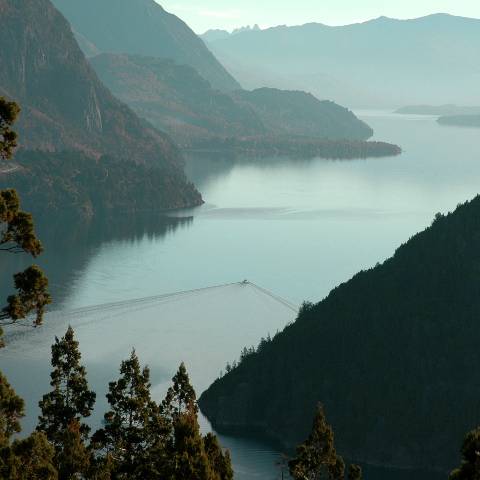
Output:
x=390 y=353
x=176 y=99
x=382 y=62
x=65 y=108
x=143 y=27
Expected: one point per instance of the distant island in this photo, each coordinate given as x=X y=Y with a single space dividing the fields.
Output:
x=440 y=110
x=460 y=120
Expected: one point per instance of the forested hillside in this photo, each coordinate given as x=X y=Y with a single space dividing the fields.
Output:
x=66 y=108
x=392 y=354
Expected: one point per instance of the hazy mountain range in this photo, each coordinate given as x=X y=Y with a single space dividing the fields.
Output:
x=382 y=62
x=142 y=27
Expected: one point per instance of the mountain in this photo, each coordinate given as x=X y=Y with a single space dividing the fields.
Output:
x=382 y=62
x=460 y=120
x=175 y=98
x=392 y=354
x=66 y=108
x=300 y=113
x=143 y=27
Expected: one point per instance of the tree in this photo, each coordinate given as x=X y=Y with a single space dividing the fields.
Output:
x=180 y=396
x=132 y=426
x=316 y=458
x=64 y=408
x=354 y=472
x=32 y=457
x=191 y=455
x=11 y=411
x=470 y=466
x=28 y=459
x=18 y=235
x=219 y=460
x=9 y=112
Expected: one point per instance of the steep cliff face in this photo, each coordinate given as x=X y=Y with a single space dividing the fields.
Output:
x=392 y=354
x=64 y=105
x=143 y=27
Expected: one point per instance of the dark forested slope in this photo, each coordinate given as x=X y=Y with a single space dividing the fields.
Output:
x=143 y=27
x=392 y=353
x=66 y=108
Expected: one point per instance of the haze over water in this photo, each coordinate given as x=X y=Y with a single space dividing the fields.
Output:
x=296 y=227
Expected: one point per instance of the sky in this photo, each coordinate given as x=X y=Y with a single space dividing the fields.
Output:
x=202 y=15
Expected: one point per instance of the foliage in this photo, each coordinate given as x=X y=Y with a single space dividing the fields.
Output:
x=28 y=459
x=412 y=320
x=11 y=411
x=470 y=467
x=71 y=185
x=64 y=408
x=132 y=426
x=8 y=138
x=17 y=235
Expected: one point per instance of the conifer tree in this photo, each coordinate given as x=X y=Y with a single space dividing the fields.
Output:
x=11 y=411
x=18 y=235
x=180 y=396
x=354 y=472
x=316 y=457
x=470 y=466
x=219 y=460
x=133 y=426
x=64 y=408
x=191 y=455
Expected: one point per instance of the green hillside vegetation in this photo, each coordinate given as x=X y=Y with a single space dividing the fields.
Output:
x=392 y=354
x=70 y=184
x=460 y=120
x=175 y=98
x=300 y=113
x=65 y=107
x=143 y=27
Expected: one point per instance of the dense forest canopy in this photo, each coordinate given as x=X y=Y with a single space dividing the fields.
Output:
x=389 y=353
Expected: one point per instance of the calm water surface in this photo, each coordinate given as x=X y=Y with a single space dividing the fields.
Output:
x=298 y=228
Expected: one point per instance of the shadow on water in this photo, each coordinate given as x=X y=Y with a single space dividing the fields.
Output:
x=70 y=244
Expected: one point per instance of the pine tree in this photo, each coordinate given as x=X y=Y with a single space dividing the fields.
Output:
x=180 y=396
x=354 y=472
x=191 y=455
x=470 y=466
x=220 y=461
x=18 y=235
x=190 y=459
x=133 y=426
x=11 y=411
x=64 y=408
x=316 y=457
x=28 y=459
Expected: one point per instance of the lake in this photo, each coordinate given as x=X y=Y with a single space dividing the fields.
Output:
x=295 y=227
